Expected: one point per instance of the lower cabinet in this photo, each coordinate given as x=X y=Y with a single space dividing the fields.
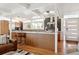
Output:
x=20 y=37
x=45 y=41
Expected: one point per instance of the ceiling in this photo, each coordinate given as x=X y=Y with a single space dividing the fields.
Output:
x=70 y=8
x=29 y=10
x=24 y=9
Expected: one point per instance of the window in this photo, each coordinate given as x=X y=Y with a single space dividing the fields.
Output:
x=34 y=24
x=13 y=25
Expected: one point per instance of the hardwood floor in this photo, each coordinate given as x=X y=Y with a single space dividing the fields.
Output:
x=35 y=50
x=40 y=51
x=60 y=48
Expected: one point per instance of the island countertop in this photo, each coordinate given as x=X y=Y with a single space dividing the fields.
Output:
x=36 y=32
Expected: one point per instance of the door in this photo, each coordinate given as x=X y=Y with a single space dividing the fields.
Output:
x=71 y=35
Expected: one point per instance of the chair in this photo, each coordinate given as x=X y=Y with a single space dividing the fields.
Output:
x=11 y=46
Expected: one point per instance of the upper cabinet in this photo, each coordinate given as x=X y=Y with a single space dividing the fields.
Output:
x=4 y=27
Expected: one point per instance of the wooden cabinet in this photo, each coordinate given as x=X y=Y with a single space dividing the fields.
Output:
x=4 y=27
x=20 y=37
x=45 y=41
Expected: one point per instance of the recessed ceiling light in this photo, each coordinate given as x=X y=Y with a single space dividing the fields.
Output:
x=52 y=12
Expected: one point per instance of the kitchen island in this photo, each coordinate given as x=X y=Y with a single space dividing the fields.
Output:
x=42 y=39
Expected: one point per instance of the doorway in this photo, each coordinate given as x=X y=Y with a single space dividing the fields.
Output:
x=71 y=31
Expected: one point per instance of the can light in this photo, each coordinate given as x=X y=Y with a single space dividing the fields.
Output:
x=52 y=12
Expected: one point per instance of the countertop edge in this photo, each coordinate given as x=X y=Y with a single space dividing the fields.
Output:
x=34 y=32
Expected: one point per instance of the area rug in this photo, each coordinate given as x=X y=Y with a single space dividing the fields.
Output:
x=18 y=52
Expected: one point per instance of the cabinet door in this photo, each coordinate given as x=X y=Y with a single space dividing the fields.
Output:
x=45 y=41
x=4 y=27
x=30 y=40
x=40 y=41
x=0 y=27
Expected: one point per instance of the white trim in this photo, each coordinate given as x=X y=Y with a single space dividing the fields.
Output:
x=56 y=30
x=10 y=28
x=64 y=37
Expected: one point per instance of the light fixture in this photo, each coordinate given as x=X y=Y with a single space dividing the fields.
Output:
x=52 y=12
x=49 y=12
